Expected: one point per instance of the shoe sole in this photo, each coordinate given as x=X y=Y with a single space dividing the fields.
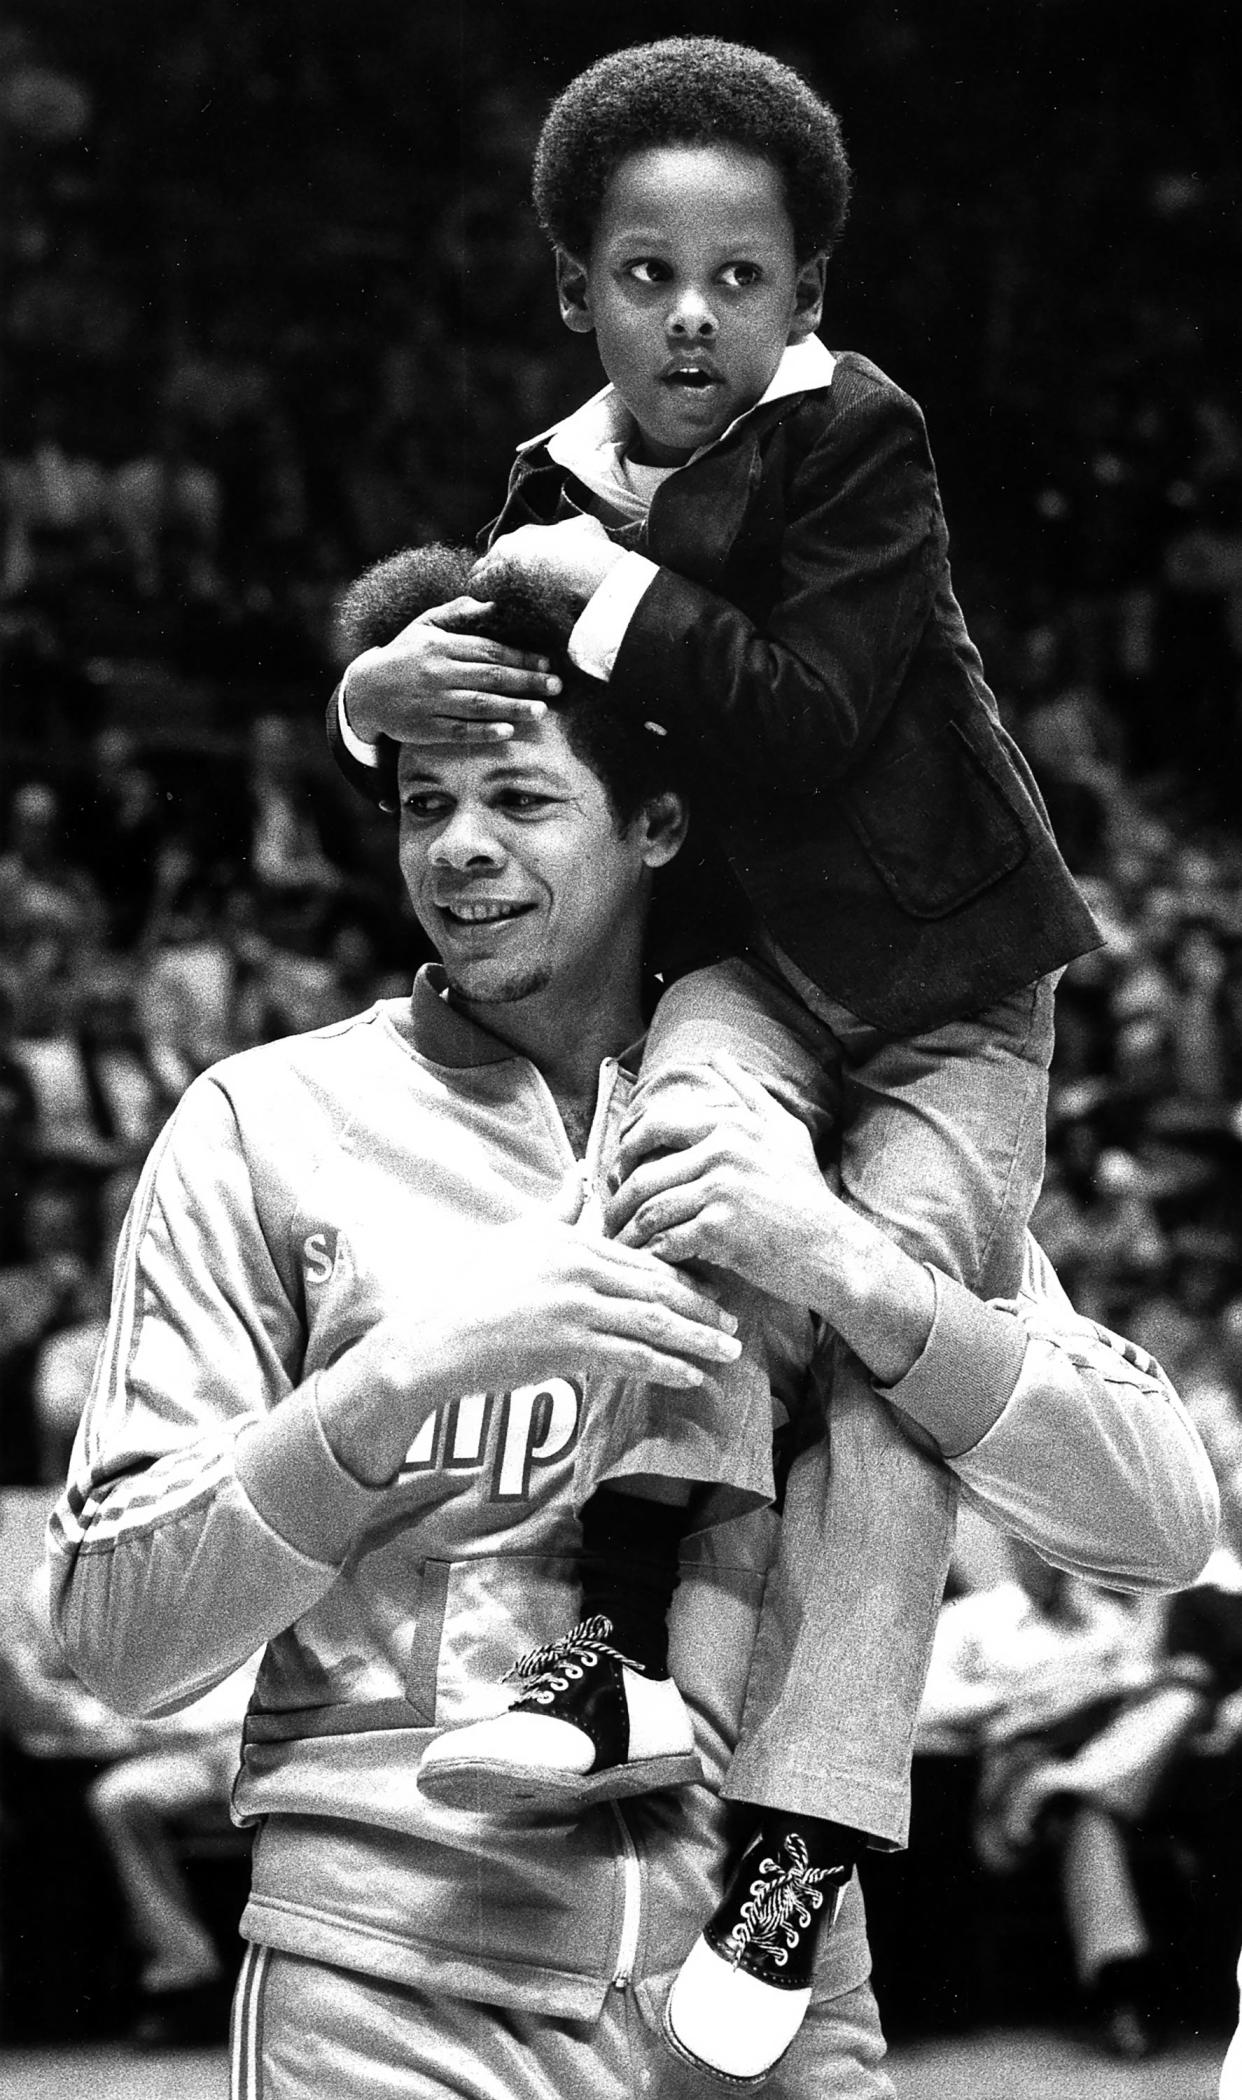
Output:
x=476 y=1784
x=739 y=2084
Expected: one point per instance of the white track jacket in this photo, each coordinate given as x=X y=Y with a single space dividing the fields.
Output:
x=298 y=1190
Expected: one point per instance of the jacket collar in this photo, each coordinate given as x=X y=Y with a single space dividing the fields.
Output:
x=604 y=422
x=440 y=1032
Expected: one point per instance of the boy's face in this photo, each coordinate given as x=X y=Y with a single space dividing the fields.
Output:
x=693 y=290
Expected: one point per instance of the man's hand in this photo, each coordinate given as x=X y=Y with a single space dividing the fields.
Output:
x=505 y=1308
x=742 y=1190
x=567 y=561
x=440 y=681
x=719 y=1172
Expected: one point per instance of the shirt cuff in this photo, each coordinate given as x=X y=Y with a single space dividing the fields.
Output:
x=366 y=754
x=967 y=1372
x=602 y=623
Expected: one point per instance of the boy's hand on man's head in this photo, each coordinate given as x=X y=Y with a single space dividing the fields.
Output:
x=439 y=679
x=568 y=560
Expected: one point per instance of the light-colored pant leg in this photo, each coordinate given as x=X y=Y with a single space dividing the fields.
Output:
x=942 y=1146
x=719 y=1434
x=305 y=2031
x=134 y=1805
x=1101 y=1903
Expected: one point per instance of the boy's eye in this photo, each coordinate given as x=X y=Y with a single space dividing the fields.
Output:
x=740 y=274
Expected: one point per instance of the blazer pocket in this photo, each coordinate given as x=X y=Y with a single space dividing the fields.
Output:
x=936 y=818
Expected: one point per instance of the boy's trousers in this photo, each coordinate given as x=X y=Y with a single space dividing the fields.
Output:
x=303 y=2030
x=942 y=1146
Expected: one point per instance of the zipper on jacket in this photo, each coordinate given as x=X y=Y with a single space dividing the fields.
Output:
x=631 y=1903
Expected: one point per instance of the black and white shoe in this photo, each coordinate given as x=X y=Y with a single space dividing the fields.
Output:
x=588 y=1725
x=742 y=1992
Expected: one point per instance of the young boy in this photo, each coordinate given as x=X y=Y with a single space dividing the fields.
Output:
x=747 y=532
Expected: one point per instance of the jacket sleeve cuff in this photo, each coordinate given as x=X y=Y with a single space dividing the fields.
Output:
x=968 y=1370
x=298 y=1485
x=602 y=623
x=366 y=754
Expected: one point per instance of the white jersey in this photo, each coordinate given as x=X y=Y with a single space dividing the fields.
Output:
x=299 y=1192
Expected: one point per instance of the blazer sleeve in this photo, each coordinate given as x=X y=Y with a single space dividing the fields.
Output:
x=801 y=692
x=376 y=781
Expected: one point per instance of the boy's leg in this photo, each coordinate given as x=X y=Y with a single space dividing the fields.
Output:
x=596 y=1717
x=942 y=1145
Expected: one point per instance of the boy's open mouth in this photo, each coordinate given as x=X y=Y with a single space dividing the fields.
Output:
x=696 y=378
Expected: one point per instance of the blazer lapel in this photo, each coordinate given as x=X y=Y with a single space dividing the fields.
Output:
x=696 y=515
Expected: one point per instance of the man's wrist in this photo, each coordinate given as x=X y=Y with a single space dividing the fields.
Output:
x=369 y=1406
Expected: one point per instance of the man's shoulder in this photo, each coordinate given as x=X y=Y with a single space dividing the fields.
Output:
x=311 y=1056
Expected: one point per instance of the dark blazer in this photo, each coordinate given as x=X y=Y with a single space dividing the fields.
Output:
x=803 y=641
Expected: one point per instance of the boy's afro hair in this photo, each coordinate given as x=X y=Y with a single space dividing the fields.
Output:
x=689 y=91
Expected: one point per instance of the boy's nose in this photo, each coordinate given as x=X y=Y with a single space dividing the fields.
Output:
x=691 y=318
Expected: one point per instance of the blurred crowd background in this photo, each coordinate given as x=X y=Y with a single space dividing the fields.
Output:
x=274 y=304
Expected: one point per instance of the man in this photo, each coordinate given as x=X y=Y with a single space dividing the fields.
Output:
x=366 y=1344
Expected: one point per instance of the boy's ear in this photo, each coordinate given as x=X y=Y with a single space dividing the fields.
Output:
x=573 y=287
x=665 y=821
x=809 y=298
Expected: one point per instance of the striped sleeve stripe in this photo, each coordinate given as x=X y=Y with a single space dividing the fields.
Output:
x=246 y=2038
x=108 y=1399
x=167 y=1489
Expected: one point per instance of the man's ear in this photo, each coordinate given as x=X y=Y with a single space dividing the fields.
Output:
x=573 y=288
x=809 y=298
x=664 y=822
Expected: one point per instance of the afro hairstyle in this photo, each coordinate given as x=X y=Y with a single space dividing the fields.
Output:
x=632 y=763
x=689 y=91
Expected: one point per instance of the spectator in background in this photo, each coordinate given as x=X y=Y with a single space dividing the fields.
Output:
x=166 y=491
x=128 y=836
x=45 y=898
x=64 y=1363
x=287 y=856
x=17 y=1119
x=1067 y=1692
x=156 y=1777
x=52 y=1284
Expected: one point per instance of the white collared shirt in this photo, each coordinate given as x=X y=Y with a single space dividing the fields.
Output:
x=591 y=444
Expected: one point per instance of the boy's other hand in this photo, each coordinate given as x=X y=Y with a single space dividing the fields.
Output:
x=439 y=680
x=571 y=558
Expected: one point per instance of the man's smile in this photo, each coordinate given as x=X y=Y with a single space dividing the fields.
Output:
x=482 y=911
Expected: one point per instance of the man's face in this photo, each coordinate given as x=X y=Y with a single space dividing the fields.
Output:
x=693 y=290
x=517 y=870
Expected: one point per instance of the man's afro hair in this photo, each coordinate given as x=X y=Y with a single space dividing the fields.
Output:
x=633 y=764
x=689 y=91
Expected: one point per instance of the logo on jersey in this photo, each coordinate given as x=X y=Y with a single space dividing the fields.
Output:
x=506 y=1434
x=325 y=1254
